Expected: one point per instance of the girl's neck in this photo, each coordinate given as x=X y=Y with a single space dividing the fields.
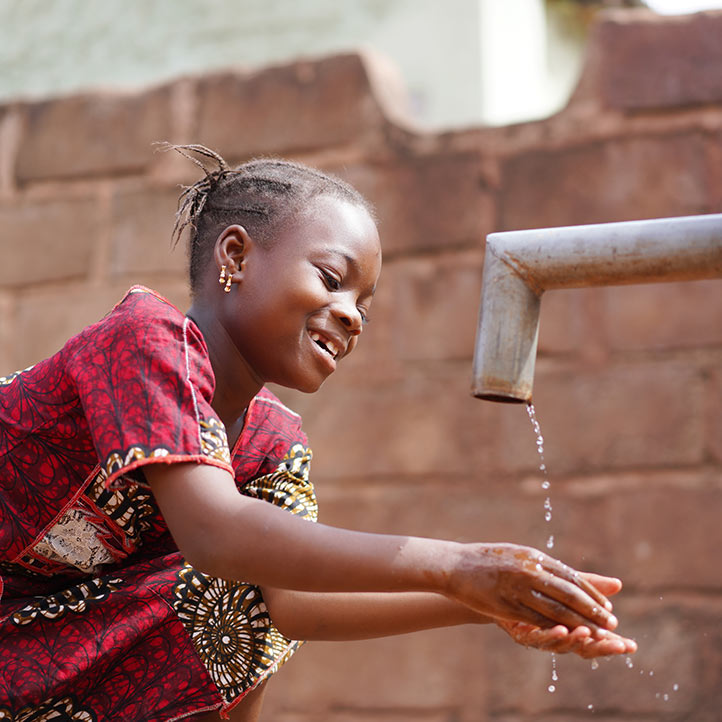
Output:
x=236 y=384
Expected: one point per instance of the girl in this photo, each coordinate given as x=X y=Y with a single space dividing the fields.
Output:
x=139 y=584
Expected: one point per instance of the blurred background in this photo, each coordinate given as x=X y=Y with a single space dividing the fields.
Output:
x=457 y=119
x=463 y=61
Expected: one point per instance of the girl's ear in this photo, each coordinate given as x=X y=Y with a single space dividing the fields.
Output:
x=231 y=248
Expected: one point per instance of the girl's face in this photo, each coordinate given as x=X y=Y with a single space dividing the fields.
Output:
x=302 y=301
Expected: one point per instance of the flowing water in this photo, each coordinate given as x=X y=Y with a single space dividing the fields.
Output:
x=546 y=486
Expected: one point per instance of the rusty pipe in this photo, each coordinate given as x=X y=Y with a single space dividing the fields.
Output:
x=520 y=265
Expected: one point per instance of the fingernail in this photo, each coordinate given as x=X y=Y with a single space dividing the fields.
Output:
x=608 y=605
x=613 y=622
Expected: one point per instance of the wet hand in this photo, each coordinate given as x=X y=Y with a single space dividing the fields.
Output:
x=523 y=584
x=560 y=640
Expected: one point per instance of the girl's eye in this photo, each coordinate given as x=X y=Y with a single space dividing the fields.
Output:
x=333 y=283
x=364 y=317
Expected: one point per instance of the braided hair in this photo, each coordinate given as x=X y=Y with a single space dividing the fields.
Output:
x=262 y=195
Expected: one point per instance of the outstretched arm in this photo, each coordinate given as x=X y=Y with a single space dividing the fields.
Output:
x=343 y=617
x=228 y=535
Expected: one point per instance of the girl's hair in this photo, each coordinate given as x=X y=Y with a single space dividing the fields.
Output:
x=262 y=195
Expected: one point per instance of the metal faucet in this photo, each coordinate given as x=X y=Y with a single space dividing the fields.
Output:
x=520 y=265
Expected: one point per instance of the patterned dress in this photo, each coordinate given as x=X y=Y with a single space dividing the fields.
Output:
x=100 y=616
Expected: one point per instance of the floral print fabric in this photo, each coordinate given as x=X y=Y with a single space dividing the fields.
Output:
x=100 y=616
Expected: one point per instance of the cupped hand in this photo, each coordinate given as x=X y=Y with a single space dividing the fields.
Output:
x=560 y=640
x=523 y=584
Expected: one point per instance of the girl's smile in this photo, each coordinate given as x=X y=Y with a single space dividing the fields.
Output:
x=299 y=303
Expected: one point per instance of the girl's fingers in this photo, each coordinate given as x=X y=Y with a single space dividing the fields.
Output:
x=578 y=579
x=569 y=605
x=608 y=586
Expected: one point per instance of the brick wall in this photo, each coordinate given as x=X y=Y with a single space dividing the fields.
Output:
x=628 y=384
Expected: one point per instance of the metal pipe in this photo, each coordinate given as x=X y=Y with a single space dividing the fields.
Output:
x=520 y=265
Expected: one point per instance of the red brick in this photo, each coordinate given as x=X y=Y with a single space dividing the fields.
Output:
x=436 y=305
x=428 y=202
x=669 y=635
x=652 y=533
x=418 y=676
x=618 y=180
x=289 y=108
x=647 y=62
x=568 y=321
x=92 y=134
x=423 y=422
x=48 y=240
x=142 y=221
x=664 y=315
x=713 y=413
x=645 y=414
x=51 y=317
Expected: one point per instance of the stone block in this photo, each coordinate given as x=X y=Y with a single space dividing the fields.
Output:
x=141 y=227
x=663 y=315
x=101 y=134
x=48 y=240
x=670 y=637
x=653 y=532
x=713 y=412
x=436 y=305
x=618 y=180
x=427 y=675
x=289 y=108
x=621 y=415
x=427 y=202
x=646 y=62
x=423 y=422
x=49 y=317
x=569 y=322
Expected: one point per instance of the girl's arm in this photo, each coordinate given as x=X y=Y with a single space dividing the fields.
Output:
x=344 y=617
x=228 y=535
x=335 y=617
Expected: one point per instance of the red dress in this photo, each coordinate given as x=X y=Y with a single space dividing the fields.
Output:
x=100 y=616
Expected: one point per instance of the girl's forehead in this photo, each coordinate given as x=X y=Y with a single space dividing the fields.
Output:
x=328 y=219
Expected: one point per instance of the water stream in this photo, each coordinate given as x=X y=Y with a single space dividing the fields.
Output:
x=546 y=486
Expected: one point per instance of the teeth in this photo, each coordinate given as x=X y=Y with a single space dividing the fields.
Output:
x=328 y=346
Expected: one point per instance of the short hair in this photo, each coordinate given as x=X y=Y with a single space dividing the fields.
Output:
x=262 y=195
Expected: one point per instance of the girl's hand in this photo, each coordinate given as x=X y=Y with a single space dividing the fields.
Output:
x=522 y=584
x=561 y=641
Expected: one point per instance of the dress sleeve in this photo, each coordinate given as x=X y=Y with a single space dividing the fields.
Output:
x=145 y=383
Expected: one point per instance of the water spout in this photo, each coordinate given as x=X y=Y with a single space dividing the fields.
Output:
x=520 y=265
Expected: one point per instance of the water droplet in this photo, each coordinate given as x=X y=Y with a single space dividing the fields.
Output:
x=651 y=673
x=548 y=516
x=539 y=567
x=675 y=687
x=595 y=664
x=656 y=695
x=550 y=542
x=547 y=503
x=552 y=688
x=542 y=467
x=545 y=484
x=555 y=676
x=666 y=697
x=590 y=706
x=629 y=662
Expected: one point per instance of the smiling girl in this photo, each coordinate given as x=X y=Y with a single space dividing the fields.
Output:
x=158 y=549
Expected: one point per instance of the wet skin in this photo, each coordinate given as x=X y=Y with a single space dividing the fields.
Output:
x=308 y=289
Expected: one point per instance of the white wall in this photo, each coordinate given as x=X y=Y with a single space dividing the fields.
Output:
x=465 y=61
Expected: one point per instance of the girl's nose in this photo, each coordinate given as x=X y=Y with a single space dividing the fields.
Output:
x=351 y=318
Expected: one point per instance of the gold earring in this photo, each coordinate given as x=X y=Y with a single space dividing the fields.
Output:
x=227 y=287
x=222 y=277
